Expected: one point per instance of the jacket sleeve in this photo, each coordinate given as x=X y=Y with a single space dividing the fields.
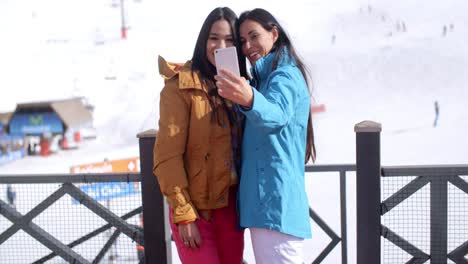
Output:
x=168 y=165
x=274 y=108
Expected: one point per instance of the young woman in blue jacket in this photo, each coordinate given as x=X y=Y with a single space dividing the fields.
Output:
x=278 y=136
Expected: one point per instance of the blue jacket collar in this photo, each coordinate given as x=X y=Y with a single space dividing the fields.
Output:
x=264 y=66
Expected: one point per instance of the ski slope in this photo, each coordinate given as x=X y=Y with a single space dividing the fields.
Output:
x=364 y=66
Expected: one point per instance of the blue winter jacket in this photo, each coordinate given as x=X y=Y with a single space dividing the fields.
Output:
x=272 y=190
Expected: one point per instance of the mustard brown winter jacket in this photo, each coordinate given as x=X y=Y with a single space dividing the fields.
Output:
x=192 y=153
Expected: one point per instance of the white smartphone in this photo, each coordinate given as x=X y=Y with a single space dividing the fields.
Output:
x=226 y=58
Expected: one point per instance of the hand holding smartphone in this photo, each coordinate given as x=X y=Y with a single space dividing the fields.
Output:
x=226 y=58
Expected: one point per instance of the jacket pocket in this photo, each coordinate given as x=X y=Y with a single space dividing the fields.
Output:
x=196 y=175
x=270 y=181
x=194 y=165
x=261 y=180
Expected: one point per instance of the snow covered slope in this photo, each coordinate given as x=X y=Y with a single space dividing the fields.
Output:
x=382 y=60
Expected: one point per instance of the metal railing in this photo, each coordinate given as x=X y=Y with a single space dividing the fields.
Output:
x=155 y=209
x=370 y=209
x=437 y=179
x=432 y=207
x=335 y=238
x=49 y=229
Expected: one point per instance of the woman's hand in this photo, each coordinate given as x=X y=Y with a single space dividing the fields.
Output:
x=189 y=235
x=234 y=88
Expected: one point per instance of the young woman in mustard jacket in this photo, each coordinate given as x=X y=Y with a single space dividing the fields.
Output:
x=197 y=150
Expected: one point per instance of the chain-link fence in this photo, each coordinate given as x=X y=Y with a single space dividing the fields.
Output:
x=71 y=219
x=424 y=217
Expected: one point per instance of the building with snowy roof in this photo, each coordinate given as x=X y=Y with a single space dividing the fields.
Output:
x=50 y=117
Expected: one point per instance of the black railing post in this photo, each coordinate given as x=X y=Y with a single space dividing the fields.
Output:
x=368 y=191
x=156 y=229
x=344 y=218
x=439 y=219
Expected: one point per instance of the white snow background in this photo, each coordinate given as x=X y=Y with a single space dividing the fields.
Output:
x=55 y=49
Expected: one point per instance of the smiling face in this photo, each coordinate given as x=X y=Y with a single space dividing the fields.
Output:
x=256 y=41
x=220 y=37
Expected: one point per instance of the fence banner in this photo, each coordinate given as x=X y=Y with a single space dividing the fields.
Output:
x=108 y=190
x=123 y=165
x=11 y=156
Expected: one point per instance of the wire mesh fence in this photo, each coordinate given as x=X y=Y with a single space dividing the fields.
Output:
x=58 y=221
x=98 y=218
x=410 y=219
x=457 y=217
x=424 y=218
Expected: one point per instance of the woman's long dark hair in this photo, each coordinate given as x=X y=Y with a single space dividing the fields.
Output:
x=200 y=61
x=283 y=43
x=207 y=71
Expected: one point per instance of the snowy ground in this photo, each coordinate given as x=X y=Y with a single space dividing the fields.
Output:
x=373 y=70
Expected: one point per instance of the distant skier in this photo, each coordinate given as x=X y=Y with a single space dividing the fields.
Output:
x=436 y=109
x=11 y=195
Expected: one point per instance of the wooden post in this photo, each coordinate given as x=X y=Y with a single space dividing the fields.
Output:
x=368 y=191
x=155 y=210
